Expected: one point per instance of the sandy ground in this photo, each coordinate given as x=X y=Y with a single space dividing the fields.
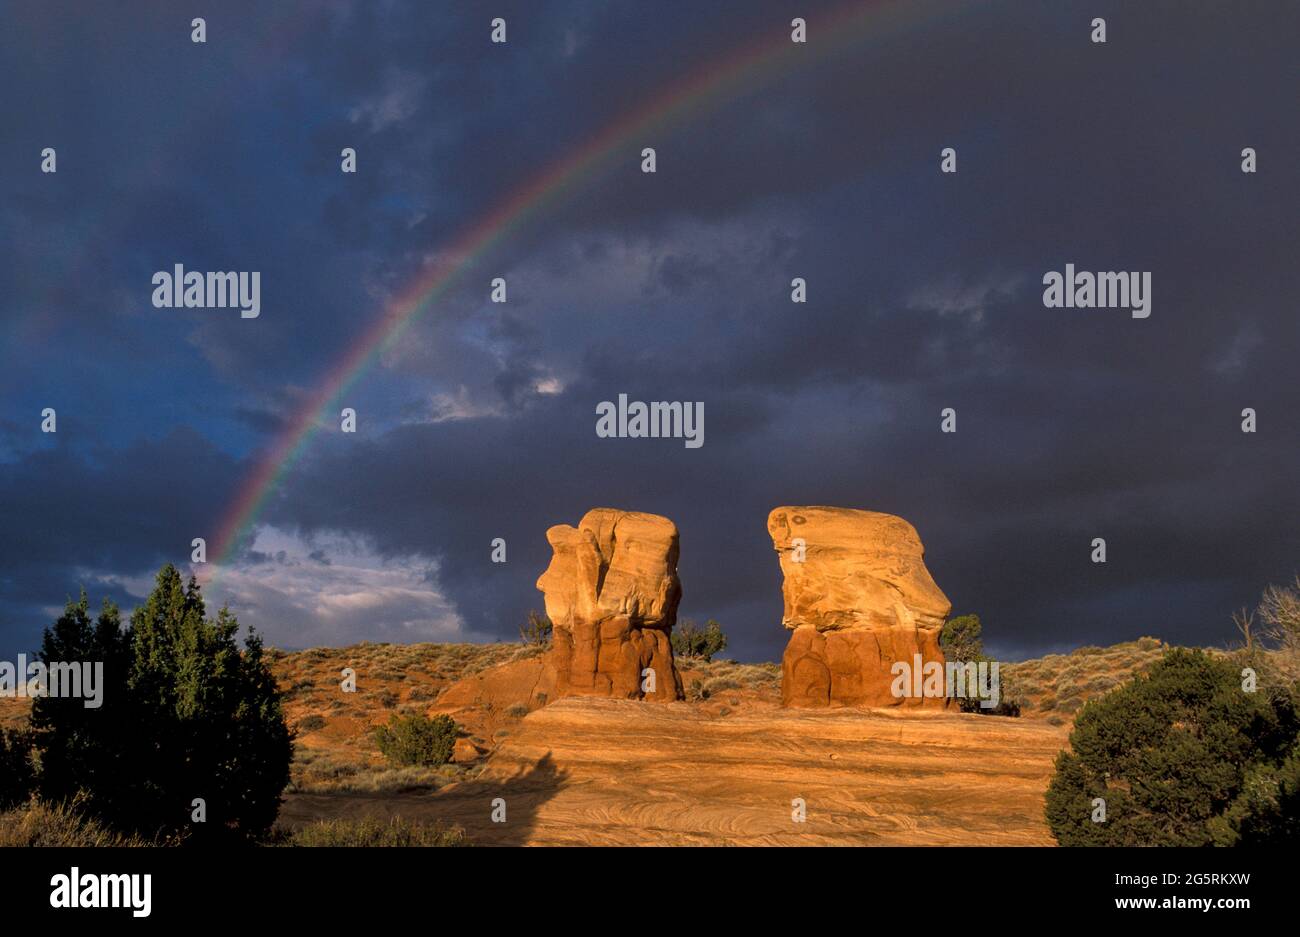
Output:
x=610 y=772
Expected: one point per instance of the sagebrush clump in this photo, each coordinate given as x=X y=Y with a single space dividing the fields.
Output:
x=418 y=740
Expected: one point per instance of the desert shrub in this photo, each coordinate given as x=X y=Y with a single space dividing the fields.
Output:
x=517 y=711
x=1280 y=609
x=418 y=740
x=387 y=699
x=314 y=770
x=1267 y=811
x=718 y=685
x=756 y=676
x=299 y=688
x=962 y=641
x=1272 y=636
x=372 y=832
x=1007 y=706
x=1100 y=684
x=15 y=767
x=537 y=630
x=311 y=723
x=1181 y=756
x=962 y=638
x=691 y=641
x=185 y=714
x=399 y=780
x=696 y=691
x=320 y=772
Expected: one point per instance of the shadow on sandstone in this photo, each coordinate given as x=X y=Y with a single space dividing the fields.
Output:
x=471 y=804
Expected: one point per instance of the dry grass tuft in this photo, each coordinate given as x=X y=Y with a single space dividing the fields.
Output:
x=372 y=832
x=37 y=823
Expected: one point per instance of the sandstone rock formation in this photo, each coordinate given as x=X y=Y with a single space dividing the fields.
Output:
x=611 y=593
x=858 y=598
x=528 y=683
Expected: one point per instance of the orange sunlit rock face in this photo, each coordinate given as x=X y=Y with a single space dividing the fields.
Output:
x=612 y=593
x=859 y=599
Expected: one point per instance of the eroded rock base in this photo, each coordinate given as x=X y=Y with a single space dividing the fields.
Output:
x=854 y=668
x=611 y=658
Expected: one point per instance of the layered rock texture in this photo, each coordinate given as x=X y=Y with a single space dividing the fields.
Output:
x=611 y=593
x=859 y=599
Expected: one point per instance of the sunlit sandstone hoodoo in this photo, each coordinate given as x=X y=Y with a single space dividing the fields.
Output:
x=858 y=598
x=611 y=593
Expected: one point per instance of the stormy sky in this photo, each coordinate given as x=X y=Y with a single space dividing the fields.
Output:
x=924 y=292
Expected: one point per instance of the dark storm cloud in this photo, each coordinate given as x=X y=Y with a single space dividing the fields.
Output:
x=924 y=293
x=67 y=518
x=66 y=508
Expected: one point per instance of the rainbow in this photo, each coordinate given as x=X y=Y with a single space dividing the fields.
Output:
x=722 y=80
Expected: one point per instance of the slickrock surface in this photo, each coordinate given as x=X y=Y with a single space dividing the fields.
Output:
x=601 y=771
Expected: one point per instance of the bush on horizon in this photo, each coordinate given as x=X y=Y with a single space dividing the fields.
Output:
x=962 y=639
x=538 y=629
x=692 y=642
x=1181 y=756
